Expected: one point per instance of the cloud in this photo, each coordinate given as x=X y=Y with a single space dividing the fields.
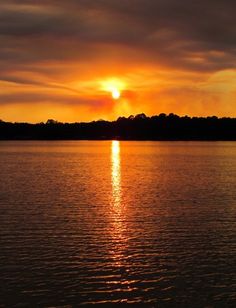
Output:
x=22 y=97
x=167 y=31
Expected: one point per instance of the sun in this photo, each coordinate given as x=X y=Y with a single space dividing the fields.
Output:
x=113 y=86
x=115 y=93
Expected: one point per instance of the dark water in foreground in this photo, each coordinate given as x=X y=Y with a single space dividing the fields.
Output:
x=108 y=222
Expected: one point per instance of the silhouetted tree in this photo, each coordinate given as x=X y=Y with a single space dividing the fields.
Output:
x=139 y=127
x=141 y=116
x=51 y=122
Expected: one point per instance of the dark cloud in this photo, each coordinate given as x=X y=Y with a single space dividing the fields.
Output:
x=29 y=97
x=189 y=35
x=29 y=82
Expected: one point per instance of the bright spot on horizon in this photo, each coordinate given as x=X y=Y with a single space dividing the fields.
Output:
x=114 y=86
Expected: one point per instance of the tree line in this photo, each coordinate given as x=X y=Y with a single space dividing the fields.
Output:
x=139 y=127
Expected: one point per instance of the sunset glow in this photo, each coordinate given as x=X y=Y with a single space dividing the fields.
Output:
x=105 y=59
x=113 y=86
x=118 y=153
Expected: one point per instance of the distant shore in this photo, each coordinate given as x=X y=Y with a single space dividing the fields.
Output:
x=140 y=127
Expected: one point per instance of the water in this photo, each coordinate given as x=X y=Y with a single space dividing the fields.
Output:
x=107 y=222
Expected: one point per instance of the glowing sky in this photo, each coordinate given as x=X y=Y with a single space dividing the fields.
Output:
x=65 y=59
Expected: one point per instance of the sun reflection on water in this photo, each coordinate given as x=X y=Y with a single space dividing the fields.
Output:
x=122 y=260
x=115 y=173
x=117 y=208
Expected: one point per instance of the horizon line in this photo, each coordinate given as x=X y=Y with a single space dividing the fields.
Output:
x=130 y=117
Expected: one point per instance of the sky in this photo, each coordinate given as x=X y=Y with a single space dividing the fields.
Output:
x=86 y=60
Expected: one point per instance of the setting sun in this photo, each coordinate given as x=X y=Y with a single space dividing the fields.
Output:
x=114 y=86
x=115 y=93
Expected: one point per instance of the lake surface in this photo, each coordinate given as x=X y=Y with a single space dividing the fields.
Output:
x=106 y=222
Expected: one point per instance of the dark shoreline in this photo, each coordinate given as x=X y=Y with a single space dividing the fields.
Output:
x=156 y=128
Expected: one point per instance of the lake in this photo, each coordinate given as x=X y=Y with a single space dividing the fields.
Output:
x=109 y=222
